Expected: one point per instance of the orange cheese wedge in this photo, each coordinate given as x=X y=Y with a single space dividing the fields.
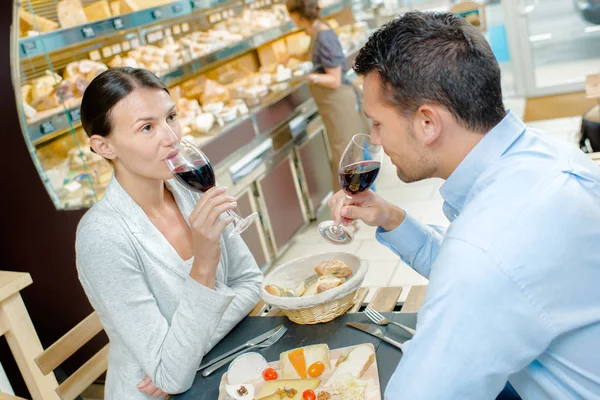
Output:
x=298 y=361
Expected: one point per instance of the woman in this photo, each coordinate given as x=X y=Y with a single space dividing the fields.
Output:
x=165 y=281
x=335 y=97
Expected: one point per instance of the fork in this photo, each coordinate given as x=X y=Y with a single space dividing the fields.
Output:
x=269 y=342
x=379 y=319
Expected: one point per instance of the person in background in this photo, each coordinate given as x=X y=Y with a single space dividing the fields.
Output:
x=513 y=281
x=155 y=259
x=336 y=98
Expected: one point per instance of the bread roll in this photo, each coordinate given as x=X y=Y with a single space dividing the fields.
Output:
x=70 y=13
x=323 y=283
x=333 y=267
x=279 y=291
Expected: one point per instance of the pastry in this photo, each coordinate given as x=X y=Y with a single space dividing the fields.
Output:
x=333 y=267
x=279 y=291
x=70 y=13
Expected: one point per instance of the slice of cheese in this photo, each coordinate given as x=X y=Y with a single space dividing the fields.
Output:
x=298 y=361
x=356 y=363
x=295 y=363
x=97 y=11
x=318 y=352
x=232 y=392
x=28 y=22
x=300 y=385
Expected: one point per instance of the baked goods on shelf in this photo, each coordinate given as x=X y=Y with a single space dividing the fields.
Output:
x=148 y=57
x=46 y=94
x=70 y=13
x=97 y=11
x=31 y=24
x=252 y=21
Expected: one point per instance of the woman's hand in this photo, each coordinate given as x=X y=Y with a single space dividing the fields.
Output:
x=366 y=206
x=147 y=387
x=207 y=226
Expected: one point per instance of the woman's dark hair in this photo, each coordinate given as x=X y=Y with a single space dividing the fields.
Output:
x=426 y=57
x=307 y=9
x=106 y=90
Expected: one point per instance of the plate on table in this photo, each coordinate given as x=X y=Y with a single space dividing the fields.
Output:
x=369 y=379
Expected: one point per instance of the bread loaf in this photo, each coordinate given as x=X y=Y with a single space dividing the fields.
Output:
x=279 y=291
x=30 y=22
x=333 y=267
x=97 y=11
x=70 y=13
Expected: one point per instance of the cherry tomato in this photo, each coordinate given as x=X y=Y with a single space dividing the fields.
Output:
x=308 y=395
x=316 y=369
x=269 y=374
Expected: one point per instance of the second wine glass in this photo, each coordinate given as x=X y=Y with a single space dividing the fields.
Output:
x=193 y=170
x=357 y=172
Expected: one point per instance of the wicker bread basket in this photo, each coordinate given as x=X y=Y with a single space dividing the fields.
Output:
x=322 y=307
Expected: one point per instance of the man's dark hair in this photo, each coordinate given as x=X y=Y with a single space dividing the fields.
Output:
x=425 y=57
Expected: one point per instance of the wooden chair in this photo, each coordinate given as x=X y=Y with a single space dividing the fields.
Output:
x=4 y=396
x=473 y=12
x=65 y=347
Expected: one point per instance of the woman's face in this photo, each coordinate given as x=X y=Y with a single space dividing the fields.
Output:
x=145 y=131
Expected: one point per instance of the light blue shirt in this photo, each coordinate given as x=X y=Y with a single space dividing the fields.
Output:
x=514 y=282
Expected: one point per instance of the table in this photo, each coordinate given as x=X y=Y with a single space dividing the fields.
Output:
x=20 y=334
x=335 y=333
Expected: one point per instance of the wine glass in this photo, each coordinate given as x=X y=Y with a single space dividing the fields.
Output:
x=358 y=170
x=193 y=170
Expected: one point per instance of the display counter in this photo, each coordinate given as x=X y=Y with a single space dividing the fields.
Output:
x=233 y=68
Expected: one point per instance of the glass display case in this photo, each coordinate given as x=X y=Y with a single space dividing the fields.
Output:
x=222 y=61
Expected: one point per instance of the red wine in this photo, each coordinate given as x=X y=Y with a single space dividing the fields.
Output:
x=358 y=177
x=198 y=178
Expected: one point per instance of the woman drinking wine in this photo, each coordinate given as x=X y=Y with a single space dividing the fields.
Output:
x=156 y=260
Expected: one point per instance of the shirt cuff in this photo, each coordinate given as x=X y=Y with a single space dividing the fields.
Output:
x=406 y=240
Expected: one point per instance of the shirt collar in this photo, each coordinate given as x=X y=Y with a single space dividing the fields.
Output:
x=490 y=148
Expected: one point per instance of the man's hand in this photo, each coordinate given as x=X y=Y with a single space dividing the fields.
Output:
x=147 y=387
x=367 y=207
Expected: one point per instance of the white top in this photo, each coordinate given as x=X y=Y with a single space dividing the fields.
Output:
x=159 y=320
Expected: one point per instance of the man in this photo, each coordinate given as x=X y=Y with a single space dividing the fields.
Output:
x=513 y=282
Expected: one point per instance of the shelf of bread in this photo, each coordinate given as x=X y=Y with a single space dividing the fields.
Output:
x=221 y=73
x=69 y=22
x=51 y=101
x=47 y=26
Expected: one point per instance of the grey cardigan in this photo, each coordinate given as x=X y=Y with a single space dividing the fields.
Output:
x=160 y=321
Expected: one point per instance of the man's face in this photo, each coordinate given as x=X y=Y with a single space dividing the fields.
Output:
x=400 y=136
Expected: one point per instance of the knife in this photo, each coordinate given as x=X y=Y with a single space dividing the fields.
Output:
x=251 y=342
x=374 y=331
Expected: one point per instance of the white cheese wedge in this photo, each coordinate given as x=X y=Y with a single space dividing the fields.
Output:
x=232 y=392
x=246 y=368
x=355 y=364
x=347 y=387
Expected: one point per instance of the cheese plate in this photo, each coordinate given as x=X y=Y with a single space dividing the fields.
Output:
x=355 y=378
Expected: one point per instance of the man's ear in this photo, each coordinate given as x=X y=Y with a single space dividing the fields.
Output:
x=102 y=147
x=430 y=123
